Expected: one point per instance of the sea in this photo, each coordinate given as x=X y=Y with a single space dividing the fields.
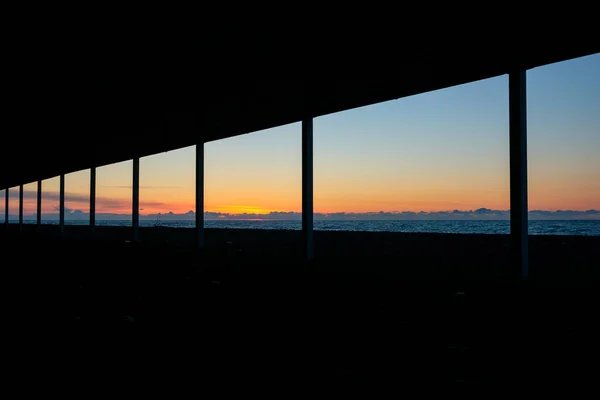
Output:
x=536 y=227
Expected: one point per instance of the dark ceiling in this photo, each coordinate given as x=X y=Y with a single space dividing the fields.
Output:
x=61 y=120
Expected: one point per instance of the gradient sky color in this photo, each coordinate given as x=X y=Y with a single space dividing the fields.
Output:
x=77 y=192
x=437 y=151
x=255 y=173
x=30 y=199
x=168 y=182
x=113 y=188
x=50 y=198
x=440 y=150
x=13 y=201
x=564 y=135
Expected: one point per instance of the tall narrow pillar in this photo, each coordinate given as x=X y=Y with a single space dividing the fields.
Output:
x=200 y=195
x=7 y=194
x=518 y=170
x=307 y=187
x=135 y=209
x=62 y=204
x=93 y=199
x=21 y=207
x=39 y=204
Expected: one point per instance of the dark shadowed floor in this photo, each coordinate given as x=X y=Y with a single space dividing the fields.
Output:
x=432 y=311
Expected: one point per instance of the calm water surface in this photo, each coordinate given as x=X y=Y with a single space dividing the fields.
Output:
x=536 y=227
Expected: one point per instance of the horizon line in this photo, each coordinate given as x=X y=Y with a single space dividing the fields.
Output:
x=471 y=215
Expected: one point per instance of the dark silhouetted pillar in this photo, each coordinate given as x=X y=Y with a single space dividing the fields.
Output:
x=135 y=212
x=518 y=170
x=62 y=203
x=200 y=195
x=39 y=205
x=21 y=207
x=92 y=199
x=6 y=193
x=307 y=187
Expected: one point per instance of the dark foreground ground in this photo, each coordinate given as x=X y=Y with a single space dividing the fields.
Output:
x=374 y=310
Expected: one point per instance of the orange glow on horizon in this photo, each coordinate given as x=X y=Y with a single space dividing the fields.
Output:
x=241 y=209
x=155 y=207
x=546 y=198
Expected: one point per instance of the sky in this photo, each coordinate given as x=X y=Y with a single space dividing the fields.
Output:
x=439 y=151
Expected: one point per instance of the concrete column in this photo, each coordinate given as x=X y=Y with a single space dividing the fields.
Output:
x=39 y=204
x=135 y=209
x=200 y=195
x=62 y=204
x=93 y=199
x=20 y=207
x=307 y=187
x=518 y=170
x=7 y=194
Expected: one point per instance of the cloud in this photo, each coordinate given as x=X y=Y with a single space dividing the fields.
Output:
x=151 y=204
x=141 y=187
x=101 y=202
x=565 y=214
x=477 y=214
x=482 y=211
x=55 y=196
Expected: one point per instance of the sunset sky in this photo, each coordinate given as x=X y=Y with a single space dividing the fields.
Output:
x=436 y=151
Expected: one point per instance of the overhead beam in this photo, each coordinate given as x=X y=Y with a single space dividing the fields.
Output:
x=247 y=106
x=518 y=170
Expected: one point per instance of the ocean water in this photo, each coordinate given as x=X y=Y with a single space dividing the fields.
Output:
x=536 y=227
